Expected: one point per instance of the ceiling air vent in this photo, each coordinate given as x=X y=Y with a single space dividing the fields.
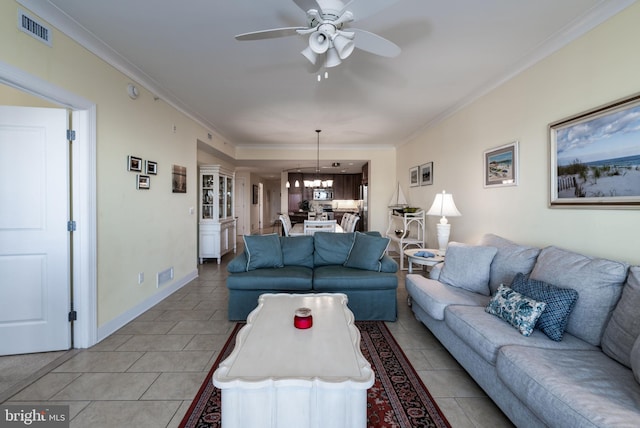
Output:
x=34 y=28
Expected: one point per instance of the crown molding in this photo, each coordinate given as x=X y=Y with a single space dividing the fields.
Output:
x=598 y=14
x=67 y=25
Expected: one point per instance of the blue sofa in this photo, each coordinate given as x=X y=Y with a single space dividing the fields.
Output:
x=351 y=263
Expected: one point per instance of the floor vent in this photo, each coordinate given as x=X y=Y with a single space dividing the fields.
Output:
x=34 y=28
x=165 y=276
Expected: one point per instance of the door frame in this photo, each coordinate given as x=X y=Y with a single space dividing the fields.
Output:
x=83 y=185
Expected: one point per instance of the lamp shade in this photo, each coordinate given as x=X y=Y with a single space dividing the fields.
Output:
x=444 y=206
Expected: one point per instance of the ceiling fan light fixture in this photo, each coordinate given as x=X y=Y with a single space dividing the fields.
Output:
x=310 y=55
x=319 y=42
x=344 y=45
x=332 y=59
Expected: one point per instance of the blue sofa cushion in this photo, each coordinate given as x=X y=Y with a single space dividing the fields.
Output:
x=288 y=278
x=263 y=251
x=560 y=302
x=366 y=252
x=520 y=311
x=331 y=248
x=337 y=278
x=297 y=250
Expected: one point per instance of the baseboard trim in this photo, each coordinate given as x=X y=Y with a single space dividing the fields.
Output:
x=117 y=323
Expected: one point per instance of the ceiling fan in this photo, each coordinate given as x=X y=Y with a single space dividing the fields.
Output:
x=329 y=42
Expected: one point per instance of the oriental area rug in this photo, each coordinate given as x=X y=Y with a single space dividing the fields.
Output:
x=397 y=399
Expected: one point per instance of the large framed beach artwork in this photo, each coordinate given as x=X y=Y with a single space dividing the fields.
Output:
x=501 y=166
x=595 y=157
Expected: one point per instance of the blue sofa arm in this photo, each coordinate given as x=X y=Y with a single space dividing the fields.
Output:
x=387 y=264
x=238 y=264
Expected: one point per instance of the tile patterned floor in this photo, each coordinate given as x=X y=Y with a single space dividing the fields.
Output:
x=147 y=373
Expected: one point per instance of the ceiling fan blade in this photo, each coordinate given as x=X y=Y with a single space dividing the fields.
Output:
x=362 y=9
x=305 y=5
x=375 y=44
x=270 y=34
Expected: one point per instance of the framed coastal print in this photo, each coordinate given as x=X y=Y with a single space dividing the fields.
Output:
x=414 y=176
x=501 y=166
x=426 y=174
x=595 y=157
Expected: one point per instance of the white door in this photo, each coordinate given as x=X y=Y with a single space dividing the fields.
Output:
x=34 y=242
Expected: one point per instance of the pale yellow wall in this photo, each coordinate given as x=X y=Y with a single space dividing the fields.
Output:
x=137 y=231
x=13 y=97
x=595 y=69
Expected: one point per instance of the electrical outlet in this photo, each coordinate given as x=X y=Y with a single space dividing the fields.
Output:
x=140 y=277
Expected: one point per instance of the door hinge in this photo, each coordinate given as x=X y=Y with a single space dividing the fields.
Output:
x=71 y=135
x=73 y=316
x=71 y=226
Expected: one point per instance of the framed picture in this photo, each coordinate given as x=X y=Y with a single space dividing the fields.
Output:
x=414 y=176
x=254 y=194
x=143 y=182
x=151 y=167
x=179 y=179
x=134 y=163
x=426 y=174
x=501 y=166
x=595 y=157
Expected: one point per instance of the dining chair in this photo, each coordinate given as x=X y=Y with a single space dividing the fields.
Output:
x=353 y=223
x=286 y=224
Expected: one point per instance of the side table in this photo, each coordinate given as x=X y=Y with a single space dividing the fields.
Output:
x=423 y=261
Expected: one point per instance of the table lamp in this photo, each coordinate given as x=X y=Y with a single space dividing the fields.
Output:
x=444 y=206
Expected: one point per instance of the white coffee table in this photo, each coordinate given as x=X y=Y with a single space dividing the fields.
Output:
x=423 y=261
x=280 y=376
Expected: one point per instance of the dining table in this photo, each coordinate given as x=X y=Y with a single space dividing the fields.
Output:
x=298 y=228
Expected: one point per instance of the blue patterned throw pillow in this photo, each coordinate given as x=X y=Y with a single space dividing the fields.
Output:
x=520 y=311
x=560 y=303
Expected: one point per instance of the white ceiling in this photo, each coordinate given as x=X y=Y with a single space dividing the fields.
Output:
x=260 y=93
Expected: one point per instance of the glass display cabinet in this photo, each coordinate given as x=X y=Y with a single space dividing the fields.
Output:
x=217 y=223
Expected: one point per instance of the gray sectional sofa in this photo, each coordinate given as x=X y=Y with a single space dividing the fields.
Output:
x=351 y=263
x=588 y=378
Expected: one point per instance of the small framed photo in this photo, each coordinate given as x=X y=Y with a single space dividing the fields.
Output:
x=134 y=163
x=143 y=182
x=414 y=176
x=151 y=167
x=179 y=179
x=426 y=174
x=501 y=166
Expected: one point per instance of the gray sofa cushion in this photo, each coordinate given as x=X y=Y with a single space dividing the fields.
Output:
x=624 y=326
x=635 y=359
x=597 y=281
x=569 y=388
x=510 y=259
x=468 y=267
x=434 y=296
x=486 y=334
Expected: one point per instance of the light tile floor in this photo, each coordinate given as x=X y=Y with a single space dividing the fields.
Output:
x=147 y=373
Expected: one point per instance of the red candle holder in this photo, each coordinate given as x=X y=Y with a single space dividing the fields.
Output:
x=303 y=318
